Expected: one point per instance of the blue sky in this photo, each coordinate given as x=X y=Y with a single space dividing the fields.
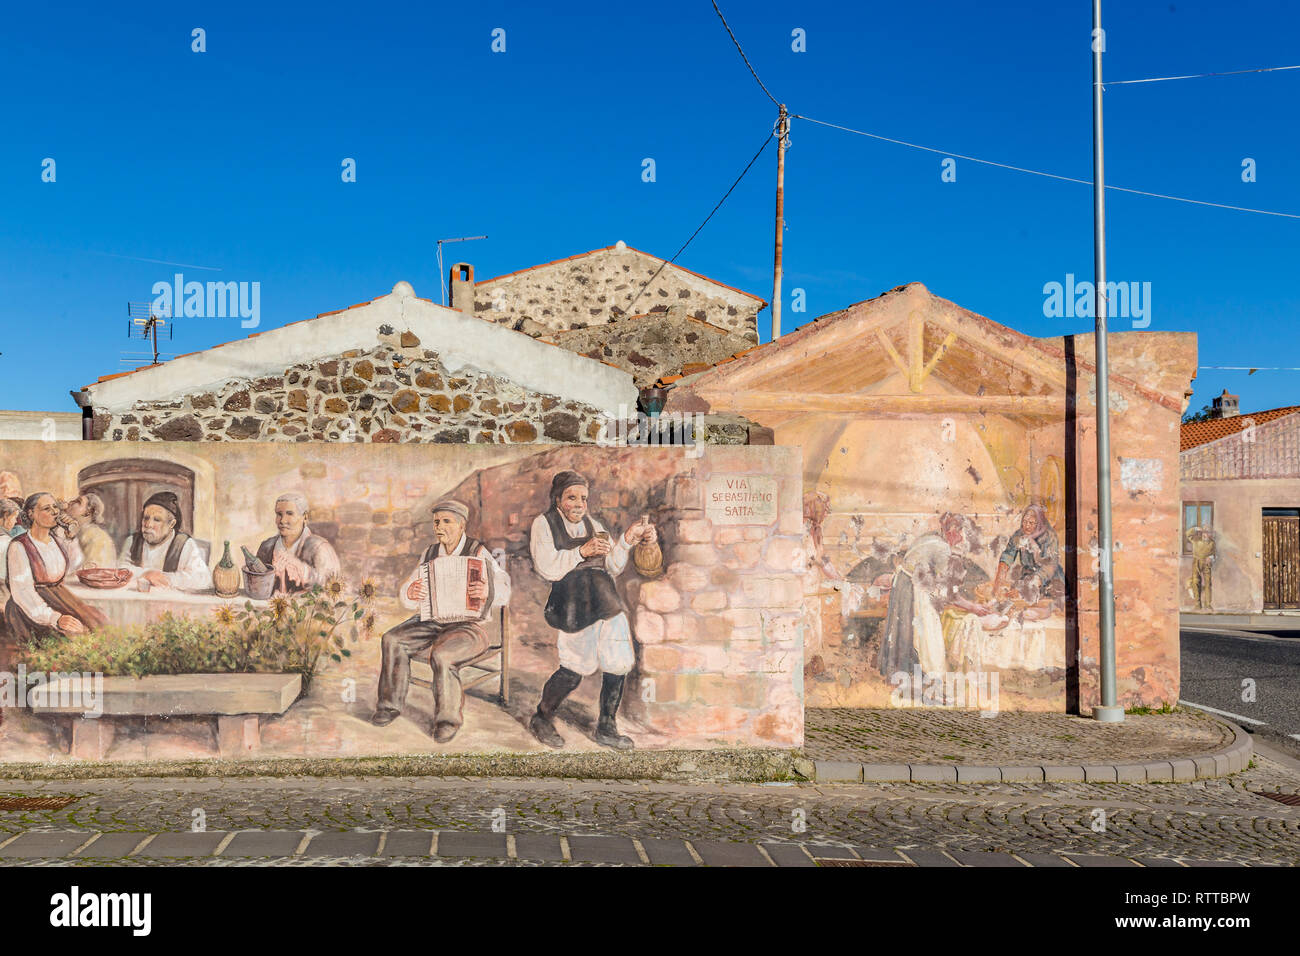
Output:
x=231 y=159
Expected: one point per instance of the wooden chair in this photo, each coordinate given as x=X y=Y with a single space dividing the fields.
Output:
x=493 y=662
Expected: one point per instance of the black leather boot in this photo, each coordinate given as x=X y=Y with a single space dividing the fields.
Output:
x=611 y=695
x=558 y=686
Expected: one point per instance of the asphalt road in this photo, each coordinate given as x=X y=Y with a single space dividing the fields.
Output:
x=1217 y=667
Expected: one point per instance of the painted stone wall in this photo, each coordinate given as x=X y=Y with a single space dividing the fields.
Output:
x=598 y=287
x=973 y=457
x=719 y=636
x=398 y=391
x=716 y=636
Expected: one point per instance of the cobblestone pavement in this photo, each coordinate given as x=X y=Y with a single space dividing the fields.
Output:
x=322 y=821
x=930 y=735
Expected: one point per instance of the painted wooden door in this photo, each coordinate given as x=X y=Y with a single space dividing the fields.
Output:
x=1281 y=559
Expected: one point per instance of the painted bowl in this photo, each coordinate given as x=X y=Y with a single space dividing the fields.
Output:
x=104 y=577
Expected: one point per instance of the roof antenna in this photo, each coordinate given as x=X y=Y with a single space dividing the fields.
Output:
x=442 y=276
x=144 y=321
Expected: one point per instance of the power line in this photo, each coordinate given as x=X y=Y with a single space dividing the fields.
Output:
x=1247 y=368
x=1197 y=76
x=1037 y=172
x=742 y=53
x=766 y=140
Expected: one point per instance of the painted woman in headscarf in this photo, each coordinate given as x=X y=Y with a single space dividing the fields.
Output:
x=1031 y=561
x=40 y=604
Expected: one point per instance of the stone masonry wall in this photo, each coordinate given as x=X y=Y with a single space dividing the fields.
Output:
x=603 y=286
x=395 y=392
x=654 y=345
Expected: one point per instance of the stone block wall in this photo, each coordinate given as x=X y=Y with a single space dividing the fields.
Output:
x=665 y=341
x=395 y=392
x=606 y=285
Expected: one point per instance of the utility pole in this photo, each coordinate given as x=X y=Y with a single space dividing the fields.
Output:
x=1108 y=711
x=783 y=128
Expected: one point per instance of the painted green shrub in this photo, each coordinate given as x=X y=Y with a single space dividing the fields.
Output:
x=287 y=635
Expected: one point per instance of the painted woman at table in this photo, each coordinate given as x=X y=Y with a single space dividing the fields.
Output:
x=40 y=605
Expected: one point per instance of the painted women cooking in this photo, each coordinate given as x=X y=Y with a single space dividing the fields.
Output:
x=945 y=614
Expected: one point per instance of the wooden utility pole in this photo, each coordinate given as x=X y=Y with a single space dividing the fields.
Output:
x=782 y=127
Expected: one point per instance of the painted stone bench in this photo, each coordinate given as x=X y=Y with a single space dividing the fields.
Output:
x=236 y=702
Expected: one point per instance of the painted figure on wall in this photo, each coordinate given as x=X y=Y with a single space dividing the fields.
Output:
x=10 y=511
x=1200 y=585
x=574 y=552
x=86 y=522
x=449 y=645
x=923 y=586
x=299 y=558
x=160 y=553
x=40 y=605
x=1030 y=566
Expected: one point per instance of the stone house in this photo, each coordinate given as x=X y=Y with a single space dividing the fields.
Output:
x=918 y=419
x=397 y=368
x=1240 y=534
x=617 y=304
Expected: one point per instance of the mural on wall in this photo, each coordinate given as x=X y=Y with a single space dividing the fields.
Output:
x=1200 y=581
x=407 y=599
x=955 y=597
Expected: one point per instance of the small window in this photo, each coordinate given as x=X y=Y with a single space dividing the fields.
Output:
x=1196 y=514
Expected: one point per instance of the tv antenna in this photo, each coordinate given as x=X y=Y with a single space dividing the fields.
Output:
x=144 y=322
x=442 y=275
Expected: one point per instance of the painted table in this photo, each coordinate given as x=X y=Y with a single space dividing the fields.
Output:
x=130 y=607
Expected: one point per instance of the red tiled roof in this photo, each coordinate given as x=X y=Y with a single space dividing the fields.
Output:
x=693 y=368
x=580 y=255
x=1199 y=433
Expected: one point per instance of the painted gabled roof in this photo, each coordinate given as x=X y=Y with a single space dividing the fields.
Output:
x=627 y=248
x=843 y=353
x=1193 y=434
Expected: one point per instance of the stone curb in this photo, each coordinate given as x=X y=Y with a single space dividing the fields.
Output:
x=683 y=766
x=1232 y=759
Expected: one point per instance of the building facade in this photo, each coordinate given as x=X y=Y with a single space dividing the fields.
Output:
x=1240 y=536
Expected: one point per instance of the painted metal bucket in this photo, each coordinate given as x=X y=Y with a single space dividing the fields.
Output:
x=260 y=584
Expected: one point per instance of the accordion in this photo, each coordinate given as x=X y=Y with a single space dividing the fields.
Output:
x=446 y=589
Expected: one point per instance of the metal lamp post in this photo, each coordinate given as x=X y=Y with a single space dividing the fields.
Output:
x=1108 y=711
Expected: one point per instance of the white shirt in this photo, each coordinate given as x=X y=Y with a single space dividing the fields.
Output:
x=500 y=579
x=191 y=573
x=553 y=564
x=329 y=565
x=22 y=584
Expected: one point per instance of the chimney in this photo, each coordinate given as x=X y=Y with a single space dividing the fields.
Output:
x=462 y=287
x=1225 y=406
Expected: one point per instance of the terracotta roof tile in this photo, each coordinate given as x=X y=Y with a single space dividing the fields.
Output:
x=1200 y=433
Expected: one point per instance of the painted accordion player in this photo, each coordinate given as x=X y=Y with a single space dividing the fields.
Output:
x=446 y=586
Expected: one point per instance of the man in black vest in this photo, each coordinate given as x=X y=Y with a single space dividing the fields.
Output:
x=160 y=553
x=452 y=644
x=573 y=551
